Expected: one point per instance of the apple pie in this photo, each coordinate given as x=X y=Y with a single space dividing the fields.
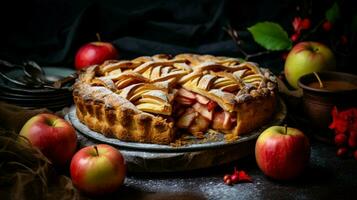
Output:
x=154 y=99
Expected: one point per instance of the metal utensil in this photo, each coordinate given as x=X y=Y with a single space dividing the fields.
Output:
x=25 y=82
x=33 y=74
x=59 y=83
x=34 y=71
x=17 y=82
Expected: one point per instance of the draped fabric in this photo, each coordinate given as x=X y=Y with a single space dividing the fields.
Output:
x=50 y=32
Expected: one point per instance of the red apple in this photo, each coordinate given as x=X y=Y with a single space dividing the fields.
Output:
x=282 y=153
x=54 y=136
x=305 y=58
x=98 y=169
x=94 y=53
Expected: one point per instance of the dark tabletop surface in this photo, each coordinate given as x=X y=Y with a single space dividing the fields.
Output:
x=327 y=177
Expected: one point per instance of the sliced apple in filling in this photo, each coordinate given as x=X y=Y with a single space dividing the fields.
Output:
x=187 y=118
x=185 y=101
x=199 y=125
x=211 y=105
x=187 y=94
x=201 y=99
x=185 y=97
x=223 y=120
x=203 y=110
x=197 y=115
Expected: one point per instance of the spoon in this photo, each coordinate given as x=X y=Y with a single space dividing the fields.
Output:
x=34 y=75
x=13 y=80
x=34 y=71
x=23 y=83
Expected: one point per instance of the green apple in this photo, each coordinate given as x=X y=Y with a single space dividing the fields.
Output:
x=282 y=153
x=305 y=58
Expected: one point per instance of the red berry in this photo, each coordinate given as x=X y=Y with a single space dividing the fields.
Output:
x=244 y=177
x=235 y=178
x=327 y=26
x=355 y=154
x=338 y=132
x=344 y=40
x=340 y=139
x=297 y=24
x=228 y=182
x=226 y=177
x=305 y=23
x=284 y=55
x=352 y=141
x=341 y=152
x=295 y=37
x=353 y=134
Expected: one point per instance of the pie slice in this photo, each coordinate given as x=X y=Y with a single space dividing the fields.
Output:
x=148 y=99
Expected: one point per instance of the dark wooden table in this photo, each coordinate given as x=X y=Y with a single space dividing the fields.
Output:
x=327 y=177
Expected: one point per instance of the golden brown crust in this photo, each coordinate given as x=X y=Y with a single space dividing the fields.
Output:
x=129 y=100
x=253 y=114
x=113 y=116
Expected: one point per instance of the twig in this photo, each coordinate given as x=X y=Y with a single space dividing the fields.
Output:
x=256 y=54
x=311 y=31
x=235 y=37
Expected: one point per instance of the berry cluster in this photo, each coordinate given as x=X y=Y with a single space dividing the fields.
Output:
x=299 y=25
x=237 y=176
x=344 y=125
x=327 y=26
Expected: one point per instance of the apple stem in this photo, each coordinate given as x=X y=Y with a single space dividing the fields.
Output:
x=318 y=79
x=286 y=129
x=96 y=150
x=98 y=37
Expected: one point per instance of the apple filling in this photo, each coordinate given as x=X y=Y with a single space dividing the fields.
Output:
x=197 y=113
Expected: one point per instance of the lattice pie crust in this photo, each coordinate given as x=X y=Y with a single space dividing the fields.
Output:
x=148 y=99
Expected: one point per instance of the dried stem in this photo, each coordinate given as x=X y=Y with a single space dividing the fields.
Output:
x=98 y=37
x=96 y=150
x=234 y=35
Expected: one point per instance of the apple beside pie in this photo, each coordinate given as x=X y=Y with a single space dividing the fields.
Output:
x=149 y=99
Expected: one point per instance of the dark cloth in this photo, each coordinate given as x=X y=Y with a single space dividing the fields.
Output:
x=50 y=32
x=25 y=173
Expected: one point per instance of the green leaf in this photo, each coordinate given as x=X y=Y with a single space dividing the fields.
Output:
x=270 y=36
x=333 y=13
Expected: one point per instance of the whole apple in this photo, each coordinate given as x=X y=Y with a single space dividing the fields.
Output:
x=282 y=153
x=98 y=169
x=94 y=53
x=54 y=136
x=305 y=58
